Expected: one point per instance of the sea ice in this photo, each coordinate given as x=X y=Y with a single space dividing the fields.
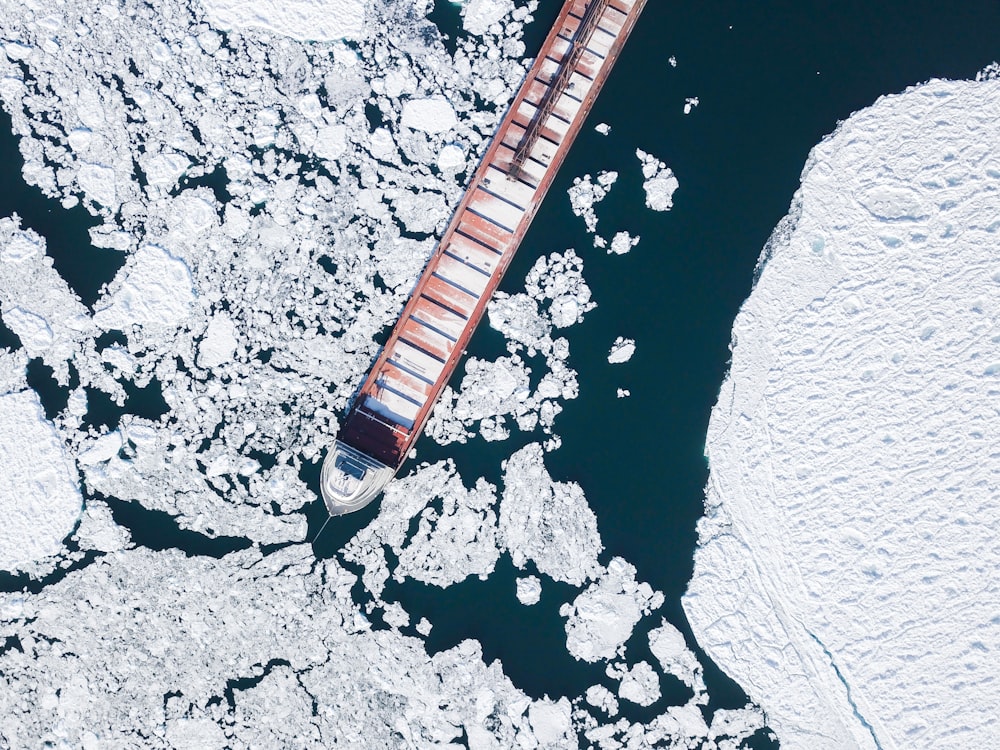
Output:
x=639 y=684
x=851 y=528
x=39 y=498
x=312 y=20
x=155 y=290
x=529 y=590
x=586 y=193
x=621 y=350
x=434 y=115
x=690 y=103
x=659 y=182
x=546 y=522
x=601 y=619
x=622 y=243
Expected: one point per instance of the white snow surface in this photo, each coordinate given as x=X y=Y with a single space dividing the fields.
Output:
x=312 y=20
x=846 y=574
x=639 y=684
x=39 y=498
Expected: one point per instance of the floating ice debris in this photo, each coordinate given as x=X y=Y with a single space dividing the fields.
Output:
x=624 y=393
x=601 y=619
x=639 y=684
x=529 y=590
x=547 y=522
x=434 y=115
x=673 y=61
x=621 y=350
x=310 y=20
x=667 y=644
x=39 y=498
x=600 y=697
x=603 y=128
x=659 y=183
x=585 y=193
x=219 y=343
x=622 y=243
x=478 y=16
x=690 y=103
x=155 y=290
x=851 y=515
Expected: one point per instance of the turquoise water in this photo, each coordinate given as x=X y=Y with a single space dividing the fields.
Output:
x=773 y=78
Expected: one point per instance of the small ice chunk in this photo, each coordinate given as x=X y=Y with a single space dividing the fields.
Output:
x=603 y=128
x=689 y=104
x=586 y=193
x=99 y=183
x=424 y=627
x=660 y=183
x=673 y=61
x=451 y=158
x=433 y=115
x=622 y=243
x=480 y=15
x=529 y=590
x=621 y=350
x=33 y=330
x=547 y=522
x=624 y=393
x=600 y=697
x=219 y=343
x=550 y=722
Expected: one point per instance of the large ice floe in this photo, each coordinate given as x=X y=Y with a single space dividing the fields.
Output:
x=846 y=574
x=267 y=180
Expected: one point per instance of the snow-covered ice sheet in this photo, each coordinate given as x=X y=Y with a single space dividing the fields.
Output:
x=847 y=571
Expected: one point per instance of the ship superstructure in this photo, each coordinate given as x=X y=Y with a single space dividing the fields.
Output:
x=465 y=269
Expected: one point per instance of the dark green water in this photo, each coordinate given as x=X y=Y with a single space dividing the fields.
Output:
x=773 y=78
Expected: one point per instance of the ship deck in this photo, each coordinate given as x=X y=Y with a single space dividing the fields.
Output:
x=499 y=204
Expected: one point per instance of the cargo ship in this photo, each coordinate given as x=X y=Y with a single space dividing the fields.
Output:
x=451 y=295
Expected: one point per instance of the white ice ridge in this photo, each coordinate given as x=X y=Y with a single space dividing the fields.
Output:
x=659 y=182
x=852 y=529
x=313 y=20
x=39 y=496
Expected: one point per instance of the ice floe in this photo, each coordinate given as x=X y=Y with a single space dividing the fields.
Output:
x=602 y=617
x=586 y=193
x=546 y=522
x=659 y=182
x=621 y=350
x=39 y=499
x=313 y=20
x=851 y=525
x=529 y=590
